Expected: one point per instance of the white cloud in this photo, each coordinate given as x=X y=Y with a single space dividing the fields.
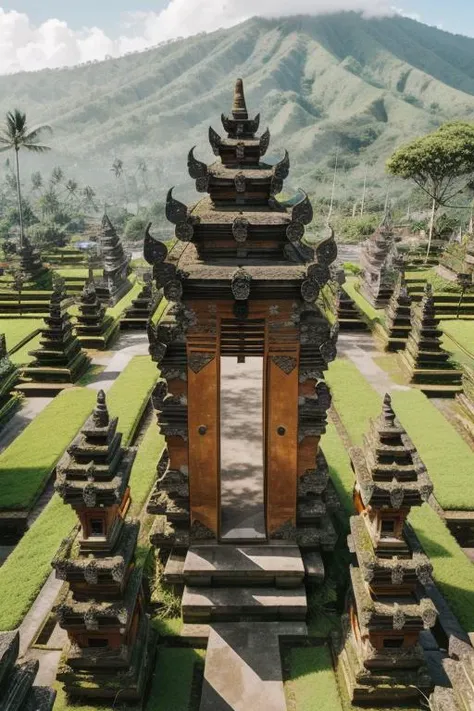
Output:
x=24 y=46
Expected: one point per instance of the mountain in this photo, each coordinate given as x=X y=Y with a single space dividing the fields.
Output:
x=364 y=85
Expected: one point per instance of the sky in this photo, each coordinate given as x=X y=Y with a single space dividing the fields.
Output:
x=54 y=33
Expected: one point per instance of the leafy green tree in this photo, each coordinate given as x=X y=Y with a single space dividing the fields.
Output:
x=135 y=228
x=36 y=181
x=15 y=135
x=57 y=176
x=48 y=234
x=440 y=163
x=88 y=195
x=49 y=202
x=72 y=188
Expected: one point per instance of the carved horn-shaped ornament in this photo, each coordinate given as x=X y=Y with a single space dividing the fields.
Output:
x=281 y=169
x=253 y=124
x=215 y=140
x=264 y=142
x=196 y=168
x=154 y=251
x=326 y=250
x=303 y=210
x=176 y=211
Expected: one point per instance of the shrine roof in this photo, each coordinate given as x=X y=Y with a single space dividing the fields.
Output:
x=207 y=211
x=262 y=171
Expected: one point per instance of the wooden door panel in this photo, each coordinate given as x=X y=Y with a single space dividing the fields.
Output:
x=203 y=432
x=281 y=440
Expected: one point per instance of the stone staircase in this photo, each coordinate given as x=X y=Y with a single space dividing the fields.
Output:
x=236 y=583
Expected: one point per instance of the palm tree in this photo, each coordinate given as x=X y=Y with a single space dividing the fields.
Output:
x=71 y=187
x=57 y=176
x=36 y=180
x=15 y=135
x=89 y=195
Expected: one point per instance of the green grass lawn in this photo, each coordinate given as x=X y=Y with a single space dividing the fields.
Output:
x=353 y=397
x=21 y=356
x=120 y=306
x=373 y=315
x=462 y=334
x=340 y=469
x=17 y=329
x=448 y=458
x=27 y=567
x=129 y=395
x=312 y=684
x=29 y=460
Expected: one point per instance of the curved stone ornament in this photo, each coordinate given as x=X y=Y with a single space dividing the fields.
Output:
x=303 y=211
x=154 y=251
x=326 y=250
x=254 y=124
x=276 y=185
x=309 y=291
x=239 y=182
x=173 y=290
x=295 y=231
x=281 y=169
x=264 y=142
x=240 y=284
x=176 y=211
x=215 y=140
x=319 y=273
x=196 y=168
x=184 y=231
x=240 y=227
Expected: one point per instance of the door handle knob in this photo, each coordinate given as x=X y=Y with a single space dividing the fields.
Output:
x=281 y=430
x=202 y=429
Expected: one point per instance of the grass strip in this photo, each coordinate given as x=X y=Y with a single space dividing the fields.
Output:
x=143 y=472
x=27 y=567
x=351 y=287
x=453 y=571
x=340 y=468
x=21 y=356
x=354 y=399
x=28 y=462
x=448 y=458
x=17 y=330
x=462 y=333
x=120 y=306
x=312 y=684
x=172 y=680
x=129 y=395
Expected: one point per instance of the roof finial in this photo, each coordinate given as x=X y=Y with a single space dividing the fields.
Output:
x=239 y=107
x=101 y=413
x=387 y=410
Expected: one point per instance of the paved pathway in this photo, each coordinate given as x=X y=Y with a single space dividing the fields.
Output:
x=31 y=407
x=361 y=350
x=243 y=666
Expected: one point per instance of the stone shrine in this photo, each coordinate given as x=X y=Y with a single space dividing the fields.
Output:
x=379 y=265
x=8 y=378
x=116 y=265
x=398 y=317
x=93 y=326
x=59 y=361
x=103 y=606
x=143 y=307
x=379 y=653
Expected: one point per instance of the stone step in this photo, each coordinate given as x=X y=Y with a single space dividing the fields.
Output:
x=243 y=666
x=201 y=604
x=173 y=573
x=244 y=565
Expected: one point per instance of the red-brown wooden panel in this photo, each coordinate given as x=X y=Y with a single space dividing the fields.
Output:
x=203 y=414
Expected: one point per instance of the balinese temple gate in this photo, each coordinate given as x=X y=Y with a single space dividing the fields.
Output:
x=242 y=350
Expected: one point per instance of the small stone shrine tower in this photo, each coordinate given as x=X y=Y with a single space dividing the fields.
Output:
x=242 y=350
x=142 y=308
x=102 y=609
x=380 y=655
x=93 y=324
x=398 y=317
x=378 y=259
x=114 y=283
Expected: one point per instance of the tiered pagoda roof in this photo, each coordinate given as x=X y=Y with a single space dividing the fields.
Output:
x=59 y=360
x=381 y=658
x=424 y=358
x=17 y=692
x=102 y=607
x=30 y=264
x=115 y=282
x=378 y=261
x=398 y=317
x=93 y=324
x=347 y=314
x=142 y=308
x=8 y=378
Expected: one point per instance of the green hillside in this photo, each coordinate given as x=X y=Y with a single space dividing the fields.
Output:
x=365 y=85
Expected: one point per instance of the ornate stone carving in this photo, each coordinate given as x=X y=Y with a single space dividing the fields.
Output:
x=176 y=211
x=281 y=169
x=154 y=251
x=215 y=140
x=303 y=210
x=184 y=231
x=240 y=284
x=326 y=250
x=319 y=273
x=276 y=185
x=101 y=414
x=286 y=363
x=173 y=290
x=240 y=227
x=202 y=184
x=197 y=361
x=264 y=142
x=91 y=575
x=309 y=290
x=295 y=231
x=240 y=151
x=196 y=168
x=239 y=182
x=201 y=532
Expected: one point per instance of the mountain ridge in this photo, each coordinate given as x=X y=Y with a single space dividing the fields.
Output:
x=363 y=85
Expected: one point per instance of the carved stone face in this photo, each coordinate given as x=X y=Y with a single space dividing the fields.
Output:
x=240 y=229
x=295 y=231
x=240 y=285
x=239 y=182
x=173 y=290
